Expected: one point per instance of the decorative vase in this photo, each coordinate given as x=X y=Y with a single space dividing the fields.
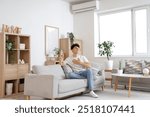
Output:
x=120 y=71
x=145 y=71
x=9 y=87
x=109 y=65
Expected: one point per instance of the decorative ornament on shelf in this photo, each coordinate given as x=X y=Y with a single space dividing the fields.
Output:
x=145 y=71
x=22 y=46
x=11 y=29
x=21 y=61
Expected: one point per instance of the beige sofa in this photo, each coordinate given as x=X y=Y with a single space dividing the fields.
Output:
x=50 y=82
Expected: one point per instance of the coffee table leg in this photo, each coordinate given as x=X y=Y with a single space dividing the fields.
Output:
x=130 y=84
x=116 y=83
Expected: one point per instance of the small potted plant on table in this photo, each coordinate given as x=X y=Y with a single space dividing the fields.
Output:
x=120 y=70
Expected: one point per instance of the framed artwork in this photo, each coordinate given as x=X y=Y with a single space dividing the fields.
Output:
x=51 y=39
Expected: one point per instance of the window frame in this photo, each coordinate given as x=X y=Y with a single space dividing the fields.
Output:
x=134 y=54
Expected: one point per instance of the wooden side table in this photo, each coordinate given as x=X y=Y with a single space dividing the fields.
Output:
x=108 y=76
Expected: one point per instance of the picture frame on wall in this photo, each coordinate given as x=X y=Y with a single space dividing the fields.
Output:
x=51 y=39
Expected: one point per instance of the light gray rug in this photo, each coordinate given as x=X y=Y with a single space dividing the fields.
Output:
x=110 y=94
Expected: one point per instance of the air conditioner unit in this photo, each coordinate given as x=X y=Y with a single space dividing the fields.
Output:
x=86 y=6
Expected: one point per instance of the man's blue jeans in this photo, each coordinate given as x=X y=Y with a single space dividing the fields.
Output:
x=85 y=74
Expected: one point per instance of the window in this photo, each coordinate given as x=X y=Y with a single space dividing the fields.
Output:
x=140 y=31
x=117 y=28
x=128 y=29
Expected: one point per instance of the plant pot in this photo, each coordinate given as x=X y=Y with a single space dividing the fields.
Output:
x=120 y=71
x=109 y=65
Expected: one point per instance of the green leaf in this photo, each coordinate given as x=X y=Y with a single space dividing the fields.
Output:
x=105 y=48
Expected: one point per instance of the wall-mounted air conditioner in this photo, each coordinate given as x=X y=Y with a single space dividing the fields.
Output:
x=86 y=6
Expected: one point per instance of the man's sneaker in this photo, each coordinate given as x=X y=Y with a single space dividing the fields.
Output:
x=93 y=94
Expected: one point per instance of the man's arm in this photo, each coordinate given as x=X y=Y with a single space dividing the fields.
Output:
x=84 y=64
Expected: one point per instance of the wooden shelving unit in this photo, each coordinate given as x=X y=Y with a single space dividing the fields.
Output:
x=12 y=71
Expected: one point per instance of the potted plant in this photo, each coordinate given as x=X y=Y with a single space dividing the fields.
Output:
x=105 y=49
x=9 y=45
x=9 y=55
x=120 y=70
x=58 y=53
x=71 y=37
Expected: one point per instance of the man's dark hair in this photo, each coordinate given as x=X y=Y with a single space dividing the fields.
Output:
x=75 y=45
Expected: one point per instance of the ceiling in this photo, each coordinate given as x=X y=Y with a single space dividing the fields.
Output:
x=77 y=1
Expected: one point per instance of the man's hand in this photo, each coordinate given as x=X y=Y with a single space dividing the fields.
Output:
x=84 y=64
x=76 y=61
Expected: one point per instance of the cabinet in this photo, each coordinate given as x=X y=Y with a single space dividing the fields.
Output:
x=65 y=45
x=14 y=63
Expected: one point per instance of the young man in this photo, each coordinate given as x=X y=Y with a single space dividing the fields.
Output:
x=81 y=68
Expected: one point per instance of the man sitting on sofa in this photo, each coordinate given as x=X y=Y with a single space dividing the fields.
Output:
x=81 y=68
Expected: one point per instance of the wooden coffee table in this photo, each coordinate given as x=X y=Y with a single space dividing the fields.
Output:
x=130 y=77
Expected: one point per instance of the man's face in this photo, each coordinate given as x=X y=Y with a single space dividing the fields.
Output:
x=75 y=50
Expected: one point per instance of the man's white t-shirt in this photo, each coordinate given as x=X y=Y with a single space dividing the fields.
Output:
x=76 y=67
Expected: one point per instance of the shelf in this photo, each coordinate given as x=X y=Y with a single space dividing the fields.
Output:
x=24 y=49
x=11 y=57
x=12 y=71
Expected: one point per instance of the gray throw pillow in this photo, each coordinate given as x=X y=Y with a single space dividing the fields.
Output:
x=96 y=70
x=67 y=69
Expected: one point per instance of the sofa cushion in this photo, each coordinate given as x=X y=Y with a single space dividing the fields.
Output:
x=133 y=67
x=54 y=70
x=67 y=69
x=67 y=85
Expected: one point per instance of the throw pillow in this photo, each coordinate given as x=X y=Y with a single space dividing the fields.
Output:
x=67 y=69
x=96 y=70
x=133 y=67
x=54 y=70
x=147 y=65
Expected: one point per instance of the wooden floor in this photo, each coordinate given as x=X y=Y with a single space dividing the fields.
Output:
x=19 y=96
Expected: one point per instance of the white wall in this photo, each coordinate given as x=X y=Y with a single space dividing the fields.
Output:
x=32 y=15
x=84 y=30
x=84 y=26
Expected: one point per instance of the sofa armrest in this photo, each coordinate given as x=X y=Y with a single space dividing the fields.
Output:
x=45 y=86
